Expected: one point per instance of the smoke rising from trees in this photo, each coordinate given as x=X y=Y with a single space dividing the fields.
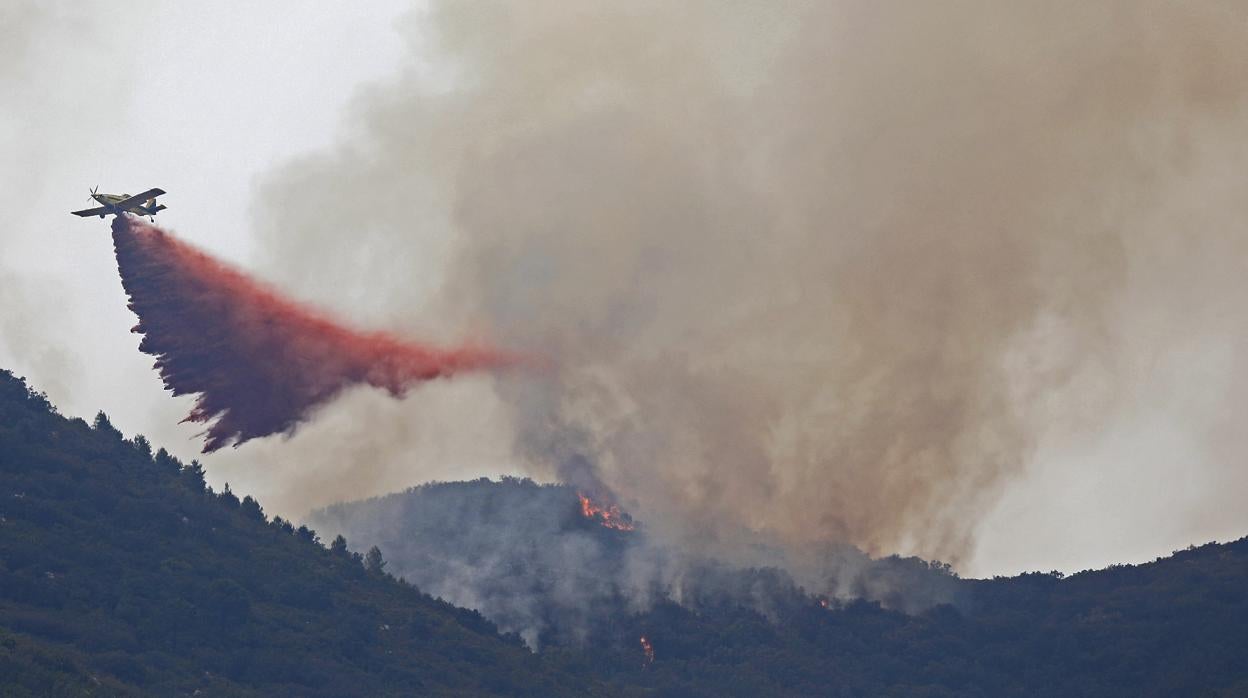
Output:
x=529 y=558
x=830 y=270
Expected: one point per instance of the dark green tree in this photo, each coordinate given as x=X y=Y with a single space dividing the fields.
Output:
x=193 y=476
x=142 y=445
x=339 y=545
x=307 y=534
x=373 y=562
x=252 y=508
x=167 y=462
x=103 y=424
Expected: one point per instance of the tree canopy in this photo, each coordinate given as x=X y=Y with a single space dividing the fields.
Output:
x=121 y=573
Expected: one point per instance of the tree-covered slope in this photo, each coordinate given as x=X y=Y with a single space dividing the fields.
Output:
x=1174 y=627
x=122 y=574
x=534 y=560
x=524 y=554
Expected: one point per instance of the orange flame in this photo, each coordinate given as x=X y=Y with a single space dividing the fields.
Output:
x=609 y=516
x=648 y=649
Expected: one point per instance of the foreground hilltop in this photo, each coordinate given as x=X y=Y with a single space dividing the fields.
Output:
x=122 y=574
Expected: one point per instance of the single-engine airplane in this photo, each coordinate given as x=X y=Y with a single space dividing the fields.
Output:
x=116 y=204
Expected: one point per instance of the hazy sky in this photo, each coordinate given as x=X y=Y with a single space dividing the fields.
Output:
x=227 y=105
x=199 y=100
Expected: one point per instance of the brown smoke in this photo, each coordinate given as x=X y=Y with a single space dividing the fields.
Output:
x=259 y=362
x=821 y=269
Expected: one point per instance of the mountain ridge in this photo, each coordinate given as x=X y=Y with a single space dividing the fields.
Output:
x=122 y=574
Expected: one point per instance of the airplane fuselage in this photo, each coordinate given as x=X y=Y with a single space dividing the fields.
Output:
x=146 y=208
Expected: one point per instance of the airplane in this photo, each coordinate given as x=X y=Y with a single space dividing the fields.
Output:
x=116 y=204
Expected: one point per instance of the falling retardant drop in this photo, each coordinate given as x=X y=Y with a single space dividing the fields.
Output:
x=258 y=361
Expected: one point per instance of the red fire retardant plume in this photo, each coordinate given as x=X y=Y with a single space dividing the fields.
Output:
x=258 y=361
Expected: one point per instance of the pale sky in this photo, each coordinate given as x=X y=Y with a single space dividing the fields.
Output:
x=199 y=99
x=205 y=100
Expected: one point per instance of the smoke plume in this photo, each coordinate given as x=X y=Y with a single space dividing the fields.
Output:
x=533 y=560
x=259 y=362
x=829 y=270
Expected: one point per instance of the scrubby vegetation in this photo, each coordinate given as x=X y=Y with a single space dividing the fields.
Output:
x=1177 y=626
x=121 y=573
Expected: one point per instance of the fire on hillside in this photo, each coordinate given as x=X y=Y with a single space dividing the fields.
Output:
x=606 y=515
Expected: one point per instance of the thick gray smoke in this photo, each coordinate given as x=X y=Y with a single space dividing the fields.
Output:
x=823 y=270
x=527 y=558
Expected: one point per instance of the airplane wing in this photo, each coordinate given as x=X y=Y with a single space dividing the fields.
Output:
x=90 y=211
x=138 y=198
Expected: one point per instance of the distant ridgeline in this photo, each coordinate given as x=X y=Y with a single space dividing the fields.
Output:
x=551 y=564
x=531 y=559
x=122 y=574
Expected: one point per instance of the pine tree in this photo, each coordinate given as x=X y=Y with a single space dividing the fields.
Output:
x=103 y=424
x=339 y=545
x=373 y=561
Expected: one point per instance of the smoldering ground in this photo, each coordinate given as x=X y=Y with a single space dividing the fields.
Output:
x=829 y=270
x=529 y=559
x=257 y=362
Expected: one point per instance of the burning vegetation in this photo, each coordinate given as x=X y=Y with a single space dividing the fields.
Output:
x=608 y=515
x=538 y=561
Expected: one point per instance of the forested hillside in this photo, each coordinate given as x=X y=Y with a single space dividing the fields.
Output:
x=1176 y=627
x=541 y=560
x=529 y=558
x=122 y=574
